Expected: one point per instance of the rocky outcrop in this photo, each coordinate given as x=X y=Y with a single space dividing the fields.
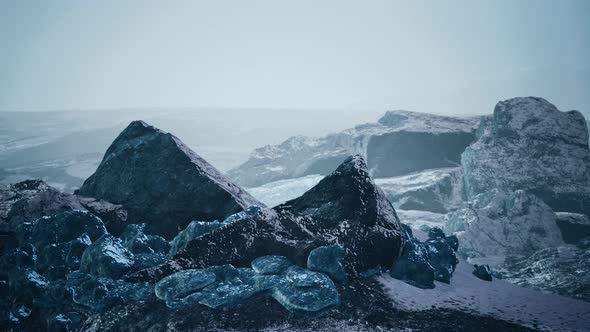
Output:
x=498 y=223
x=345 y=208
x=424 y=140
x=529 y=144
x=163 y=183
x=422 y=263
x=562 y=270
x=26 y=201
x=573 y=226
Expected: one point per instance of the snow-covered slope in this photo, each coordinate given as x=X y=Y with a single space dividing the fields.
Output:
x=498 y=299
x=435 y=190
x=423 y=140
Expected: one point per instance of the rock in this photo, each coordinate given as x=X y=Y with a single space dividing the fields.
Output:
x=563 y=270
x=328 y=260
x=107 y=257
x=423 y=262
x=483 y=272
x=59 y=323
x=100 y=293
x=26 y=284
x=584 y=243
x=270 y=264
x=530 y=145
x=348 y=206
x=306 y=291
x=425 y=140
x=498 y=223
x=30 y=200
x=138 y=242
x=573 y=226
x=194 y=230
x=442 y=258
x=163 y=183
x=221 y=286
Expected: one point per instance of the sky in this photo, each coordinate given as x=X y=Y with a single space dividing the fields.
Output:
x=446 y=57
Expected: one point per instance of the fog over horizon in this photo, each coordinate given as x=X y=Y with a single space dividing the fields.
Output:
x=457 y=57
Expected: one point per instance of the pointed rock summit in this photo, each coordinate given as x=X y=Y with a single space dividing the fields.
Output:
x=162 y=182
x=347 y=206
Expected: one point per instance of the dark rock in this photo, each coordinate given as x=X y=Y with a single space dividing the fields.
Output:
x=328 y=260
x=297 y=289
x=30 y=200
x=423 y=262
x=584 y=243
x=573 y=226
x=163 y=183
x=483 y=272
x=26 y=284
x=413 y=266
x=138 y=242
x=107 y=257
x=347 y=205
x=193 y=231
x=346 y=208
x=100 y=293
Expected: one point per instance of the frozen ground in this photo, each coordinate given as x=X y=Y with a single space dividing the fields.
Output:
x=498 y=299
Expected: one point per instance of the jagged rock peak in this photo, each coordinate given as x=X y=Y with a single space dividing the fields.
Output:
x=346 y=194
x=416 y=121
x=163 y=182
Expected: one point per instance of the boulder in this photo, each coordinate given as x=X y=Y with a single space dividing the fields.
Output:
x=423 y=262
x=297 y=289
x=573 y=226
x=483 y=272
x=162 y=182
x=497 y=223
x=328 y=260
x=107 y=257
x=529 y=144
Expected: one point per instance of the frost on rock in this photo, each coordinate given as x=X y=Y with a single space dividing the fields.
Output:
x=530 y=145
x=483 y=272
x=498 y=223
x=328 y=260
x=58 y=241
x=297 y=289
x=107 y=257
x=422 y=263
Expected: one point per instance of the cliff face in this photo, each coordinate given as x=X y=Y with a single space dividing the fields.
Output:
x=399 y=143
x=529 y=144
x=162 y=182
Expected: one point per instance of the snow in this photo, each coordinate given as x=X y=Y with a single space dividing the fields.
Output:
x=497 y=298
x=275 y=193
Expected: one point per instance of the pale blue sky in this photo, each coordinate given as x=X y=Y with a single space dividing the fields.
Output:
x=430 y=56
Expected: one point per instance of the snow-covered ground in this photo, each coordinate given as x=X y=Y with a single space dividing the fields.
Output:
x=277 y=192
x=498 y=298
